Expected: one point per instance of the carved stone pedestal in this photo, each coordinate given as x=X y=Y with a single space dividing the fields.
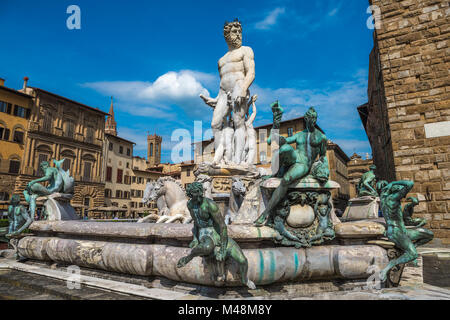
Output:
x=57 y=207
x=362 y=208
x=222 y=180
x=296 y=217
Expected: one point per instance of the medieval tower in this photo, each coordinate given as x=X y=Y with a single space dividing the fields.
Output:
x=154 y=149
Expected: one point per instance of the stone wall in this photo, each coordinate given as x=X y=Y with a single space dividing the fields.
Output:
x=414 y=57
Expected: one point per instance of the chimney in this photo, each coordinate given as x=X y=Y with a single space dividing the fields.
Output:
x=25 y=81
x=2 y=82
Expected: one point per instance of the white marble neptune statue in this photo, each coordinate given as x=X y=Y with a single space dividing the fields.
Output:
x=237 y=73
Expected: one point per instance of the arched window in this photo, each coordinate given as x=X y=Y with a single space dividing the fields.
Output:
x=88 y=165
x=69 y=159
x=18 y=135
x=43 y=153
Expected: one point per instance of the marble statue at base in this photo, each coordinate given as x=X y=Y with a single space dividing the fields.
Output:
x=171 y=200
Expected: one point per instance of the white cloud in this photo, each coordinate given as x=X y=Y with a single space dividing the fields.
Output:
x=333 y=12
x=270 y=20
x=158 y=99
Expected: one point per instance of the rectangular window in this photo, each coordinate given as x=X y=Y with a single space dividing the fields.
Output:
x=188 y=172
x=90 y=135
x=6 y=135
x=109 y=174
x=121 y=150
x=128 y=151
x=9 y=108
x=48 y=122
x=119 y=175
x=87 y=171
x=290 y=132
x=134 y=179
x=110 y=146
x=70 y=129
x=19 y=111
x=18 y=136
x=127 y=180
x=3 y=106
x=14 y=166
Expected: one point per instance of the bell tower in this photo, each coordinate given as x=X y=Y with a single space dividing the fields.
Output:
x=111 y=124
x=154 y=149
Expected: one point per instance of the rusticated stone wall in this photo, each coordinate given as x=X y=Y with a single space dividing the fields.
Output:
x=414 y=58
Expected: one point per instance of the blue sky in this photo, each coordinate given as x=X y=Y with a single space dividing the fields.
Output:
x=155 y=57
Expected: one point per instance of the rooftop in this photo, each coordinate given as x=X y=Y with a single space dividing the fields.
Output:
x=71 y=101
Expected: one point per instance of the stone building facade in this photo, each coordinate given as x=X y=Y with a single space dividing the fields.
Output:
x=15 y=110
x=141 y=175
x=154 y=149
x=117 y=167
x=187 y=173
x=410 y=71
x=62 y=128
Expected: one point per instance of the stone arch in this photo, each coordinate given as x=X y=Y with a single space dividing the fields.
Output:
x=42 y=147
x=15 y=156
x=67 y=153
x=18 y=126
x=88 y=191
x=88 y=157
